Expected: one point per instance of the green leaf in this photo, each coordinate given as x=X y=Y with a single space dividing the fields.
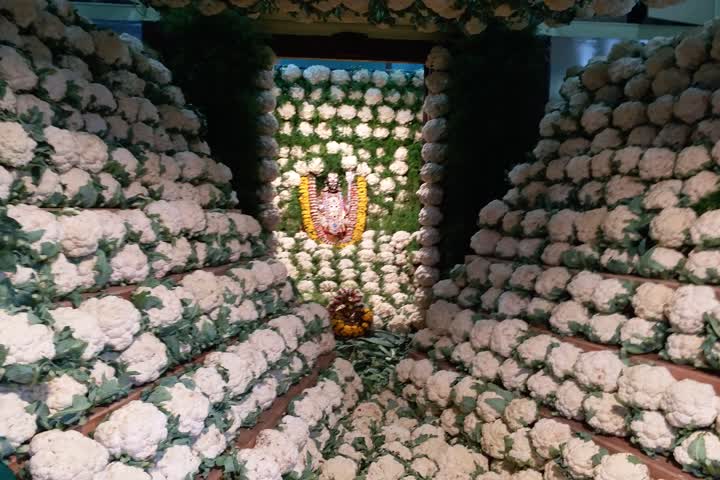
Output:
x=696 y=449
x=86 y=197
x=634 y=460
x=5 y=448
x=8 y=262
x=23 y=374
x=159 y=395
x=145 y=301
x=3 y=354
x=103 y=270
x=498 y=404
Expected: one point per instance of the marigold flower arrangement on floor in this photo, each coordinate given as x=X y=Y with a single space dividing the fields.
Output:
x=349 y=316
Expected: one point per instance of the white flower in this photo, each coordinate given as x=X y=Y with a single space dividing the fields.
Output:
x=380 y=78
x=316 y=74
x=373 y=96
x=290 y=73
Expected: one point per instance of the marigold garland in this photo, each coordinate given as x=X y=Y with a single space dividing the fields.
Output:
x=308 y=207
x=349 y=317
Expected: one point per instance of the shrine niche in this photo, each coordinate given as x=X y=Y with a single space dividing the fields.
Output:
x=332 y=216
x=350 y=160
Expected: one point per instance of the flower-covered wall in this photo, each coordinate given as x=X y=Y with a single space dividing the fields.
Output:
x=365 y=127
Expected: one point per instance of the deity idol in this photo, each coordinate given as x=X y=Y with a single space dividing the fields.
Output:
x=334 y=214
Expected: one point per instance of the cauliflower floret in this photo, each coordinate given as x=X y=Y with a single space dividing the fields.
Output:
x=569 y=317
x=569 y=400
x=178 y=462
x=204 y=288
x=533 y=351
x=542 y=387
x=17 y=148
x=513 y=375
x=147 y=357
x=670 y=228
x=520 y=412
x=605 y=328
x=81 y=233
x=17 y=425
x=642 y=386
x=689 y=404
x=57 y=455
x=168 y=312
x=439 y=387
x=651 y=300
x=118 y=318
x=552 y=282
x=599 y=370
x=280 y=447
x=120 y=471
x=689 y=303
x=24 y=342
x=548 y=436
x=561 y=359
x=652 y=432
x=580 y=457
x=605 y=414
x=507 y=335
x=493 y=439
x=135 y=429
x=582 y=286
x=621 y=466
x=190 y=407
x=698 y=450
x=485 y=366
x=612 y=295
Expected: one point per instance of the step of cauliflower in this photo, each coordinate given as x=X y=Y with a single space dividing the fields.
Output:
x=136 y=430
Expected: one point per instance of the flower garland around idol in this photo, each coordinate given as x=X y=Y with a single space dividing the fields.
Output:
x=310 y=214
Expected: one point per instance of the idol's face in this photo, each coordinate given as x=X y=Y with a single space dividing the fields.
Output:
x=332 y=182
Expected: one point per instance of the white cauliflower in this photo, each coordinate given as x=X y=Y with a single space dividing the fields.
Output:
x=621 y=466
x=605 y=328
x=135 y=429
x=569 y=400
x=129 y=265
x=569 y=317
x=582 y=286
x=178 y=462
x=23 y=340
x=548 y=436
x=599 y=370
x=120 y=471
x=485 y=366
x=507 y=335
x=57 y=455
x=652 y=432
x=17 y=148
x=81 y=233
x=534 y=351
x=190 y=407
x=651 y=300
x=118 y=318
x=642 y=386
x=689 y=404
x=17 y=425
x=698 y=451
x=580 y=457
x=147 y=357
x=84 y=326
x=605 y=414
x=688 y=304
x=612 y=295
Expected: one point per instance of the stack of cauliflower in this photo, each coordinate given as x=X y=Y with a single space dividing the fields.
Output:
x=622 y=180
x=618 y=198
x=91 y=119
x=62 y=253
x=509 y=428
x=59 y=361
x=379 y=266
x=187 y=425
